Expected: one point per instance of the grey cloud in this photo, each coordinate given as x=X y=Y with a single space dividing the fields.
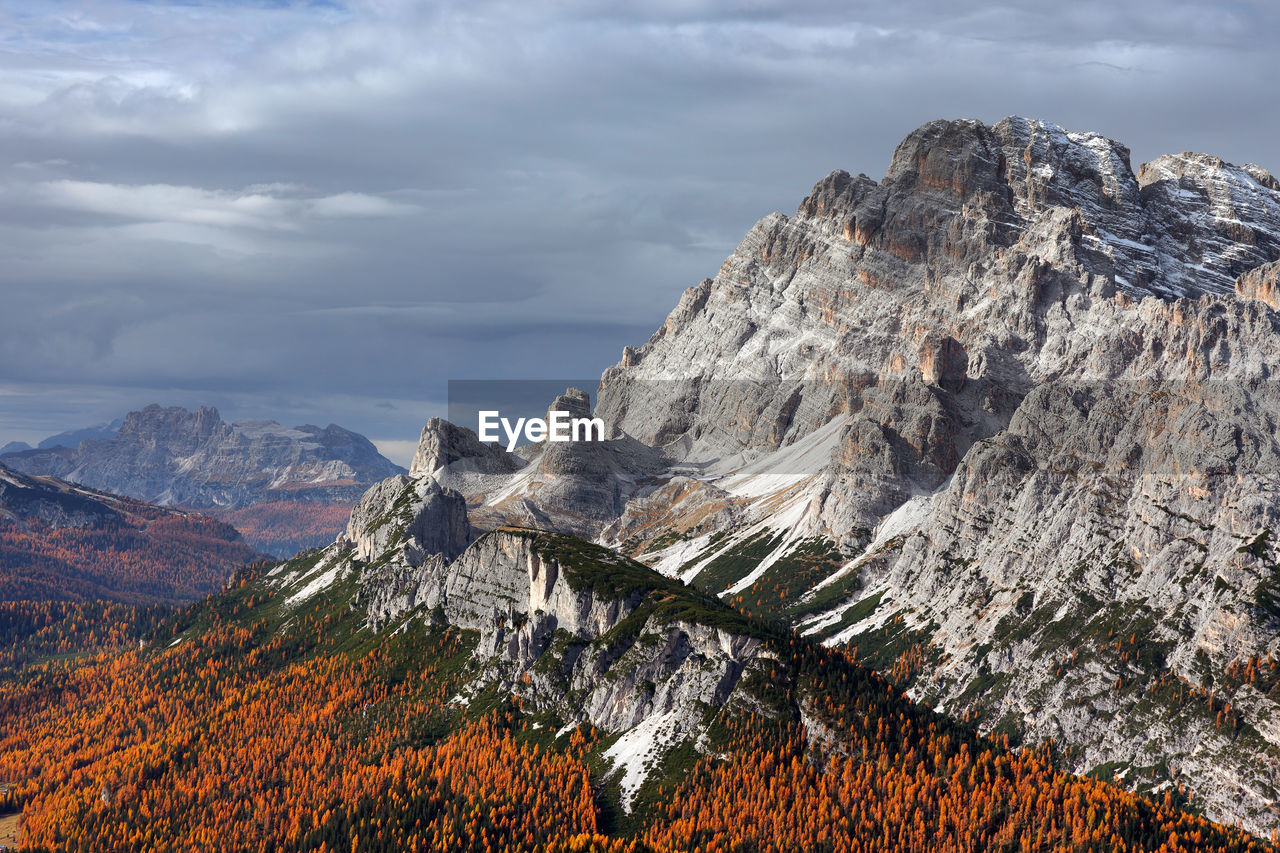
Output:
x=323 y=209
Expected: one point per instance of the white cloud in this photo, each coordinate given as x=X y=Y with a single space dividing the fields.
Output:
x=358 y=205
x=169 y=203
x=259 y=208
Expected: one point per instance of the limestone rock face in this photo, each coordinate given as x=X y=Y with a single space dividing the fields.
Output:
x=444 y=447
x=1008 y=240
x=1040 y=416
x=549 y=611
x=173 y=456
x=1261 y=283
x=943 y=362
x=1003 y=421
x=1217 y=220
x=518 y=597
x=418 y=515
x=574 y=401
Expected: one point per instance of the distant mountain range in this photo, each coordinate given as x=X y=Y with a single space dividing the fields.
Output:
x=61 y=541
x=69 y=438
x=286 y=488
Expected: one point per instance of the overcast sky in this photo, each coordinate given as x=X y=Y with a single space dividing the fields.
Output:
x=321 y=212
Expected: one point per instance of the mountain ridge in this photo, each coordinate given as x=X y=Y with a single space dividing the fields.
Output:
x=65 y=542
x=176 y=456
x=1002 y=421
x=465 y=722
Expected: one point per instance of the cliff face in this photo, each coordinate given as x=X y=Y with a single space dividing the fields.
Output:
x=1045 y=428
x=1003 y=422
x=1028 y=250
x=573 y=629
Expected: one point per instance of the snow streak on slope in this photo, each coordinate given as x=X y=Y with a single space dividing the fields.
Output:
x=787 y=466
x=635 y=752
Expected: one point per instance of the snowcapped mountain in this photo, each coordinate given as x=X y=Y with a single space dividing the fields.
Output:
x=1002 y=422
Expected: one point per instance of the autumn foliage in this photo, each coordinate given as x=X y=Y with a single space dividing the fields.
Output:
x=284 y=528
x=159 y=557
x=248 y=726
x=32 y=631
x=240 y=740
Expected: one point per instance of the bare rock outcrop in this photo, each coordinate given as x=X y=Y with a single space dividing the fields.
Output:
x=1261 y=283
x=1004 y=420
x=444 y=449
x=418 y=515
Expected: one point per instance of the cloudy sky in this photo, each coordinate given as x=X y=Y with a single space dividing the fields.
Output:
x=323 y=211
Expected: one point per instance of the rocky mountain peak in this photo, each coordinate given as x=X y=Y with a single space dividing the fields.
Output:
x=962 y=158
x=444 y=446
x=180 y=427
x=957 y=192
x=1199 y=170
x=1046 y=165
x=838 y=194
x=419 y=515
x=1010 y=396
x=1216 y=220
x=575 y=401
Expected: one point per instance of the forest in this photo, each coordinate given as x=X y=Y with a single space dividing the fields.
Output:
x=164 y=557
x=239 y=724
x=284 y=528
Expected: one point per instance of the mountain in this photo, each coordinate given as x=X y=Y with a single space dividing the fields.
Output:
x=73 y=437
x=1002 y=423
x=64 y=542
x=14 y=447
x=251 y=473
x=173 y=456
x=946 y=488
x=531 y=691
